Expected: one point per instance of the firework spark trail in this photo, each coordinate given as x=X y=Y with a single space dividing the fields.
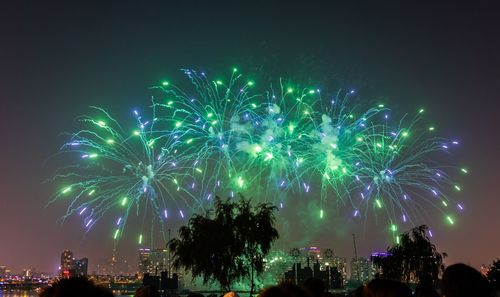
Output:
x=229 y=137
x=397 y=168
x=122 y=170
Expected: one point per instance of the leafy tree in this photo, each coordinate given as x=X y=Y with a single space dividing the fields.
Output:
x=414 y=258
x=228 y=244
x=255 y=231
x=494 y=274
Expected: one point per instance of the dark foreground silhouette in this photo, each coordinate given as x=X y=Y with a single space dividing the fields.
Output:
x=285 y=290
x=75 y=287
x=460 y=280
x=386 y=288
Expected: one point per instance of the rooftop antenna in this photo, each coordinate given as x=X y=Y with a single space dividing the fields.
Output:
x=355 y=250
x=168 y=250
x=356 y=255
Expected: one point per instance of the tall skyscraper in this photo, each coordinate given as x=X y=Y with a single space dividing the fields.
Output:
x=152 y=261
x=377 y=257
x=3 y=270
x=144 y=263
x=73 y=267
x=159 y=260
x=28 y=272
x=339 y=264
x=362 y=269
x=80 y=267
x=66 y=263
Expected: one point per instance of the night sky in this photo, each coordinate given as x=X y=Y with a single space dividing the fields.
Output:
x=56 y=59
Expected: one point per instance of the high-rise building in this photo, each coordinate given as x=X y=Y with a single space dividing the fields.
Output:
x=3 y=270
x=66 y=263
x=339 y=264
x=375 y=258
x=73 y=267
x=80 y=267
x=28 y=272
x=152 y=261
x=159 y=260
x=322 y=261
x=144 y=264
x=331 y=276
x=362 y=269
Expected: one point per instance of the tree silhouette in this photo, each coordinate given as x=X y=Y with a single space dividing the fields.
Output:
x=414 y=258
x=228 y=244
x=494 y=274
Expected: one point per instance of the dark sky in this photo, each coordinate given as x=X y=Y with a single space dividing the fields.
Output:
x=58 y=58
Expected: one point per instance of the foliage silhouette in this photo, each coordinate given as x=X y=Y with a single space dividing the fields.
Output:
x=414 y=258
x=228 y=244
x=494 y=274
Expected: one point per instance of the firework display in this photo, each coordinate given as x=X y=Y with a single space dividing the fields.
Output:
x=229 y=137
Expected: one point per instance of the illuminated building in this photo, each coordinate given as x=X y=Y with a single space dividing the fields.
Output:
x=152 y=261
x=362 y=270
x=66 y=263
x=331 y=276
x=331 y=269
x=376 y=257
x=144 y=264
x=71 y=267
x=339 y=264
x=28 y=272
x=80 y=267
x=159 y=260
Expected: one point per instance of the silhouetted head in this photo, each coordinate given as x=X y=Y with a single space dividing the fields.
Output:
x=147 y=291
x=460 y=280
x=284 y=290
x=359 y=291
x=425 y=289
x=75 y=287
x=386 y=288
x=315 y=286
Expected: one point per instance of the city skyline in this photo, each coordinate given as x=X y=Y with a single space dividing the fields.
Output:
x=153 y=261
x=159 y=256
x=61 y=58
